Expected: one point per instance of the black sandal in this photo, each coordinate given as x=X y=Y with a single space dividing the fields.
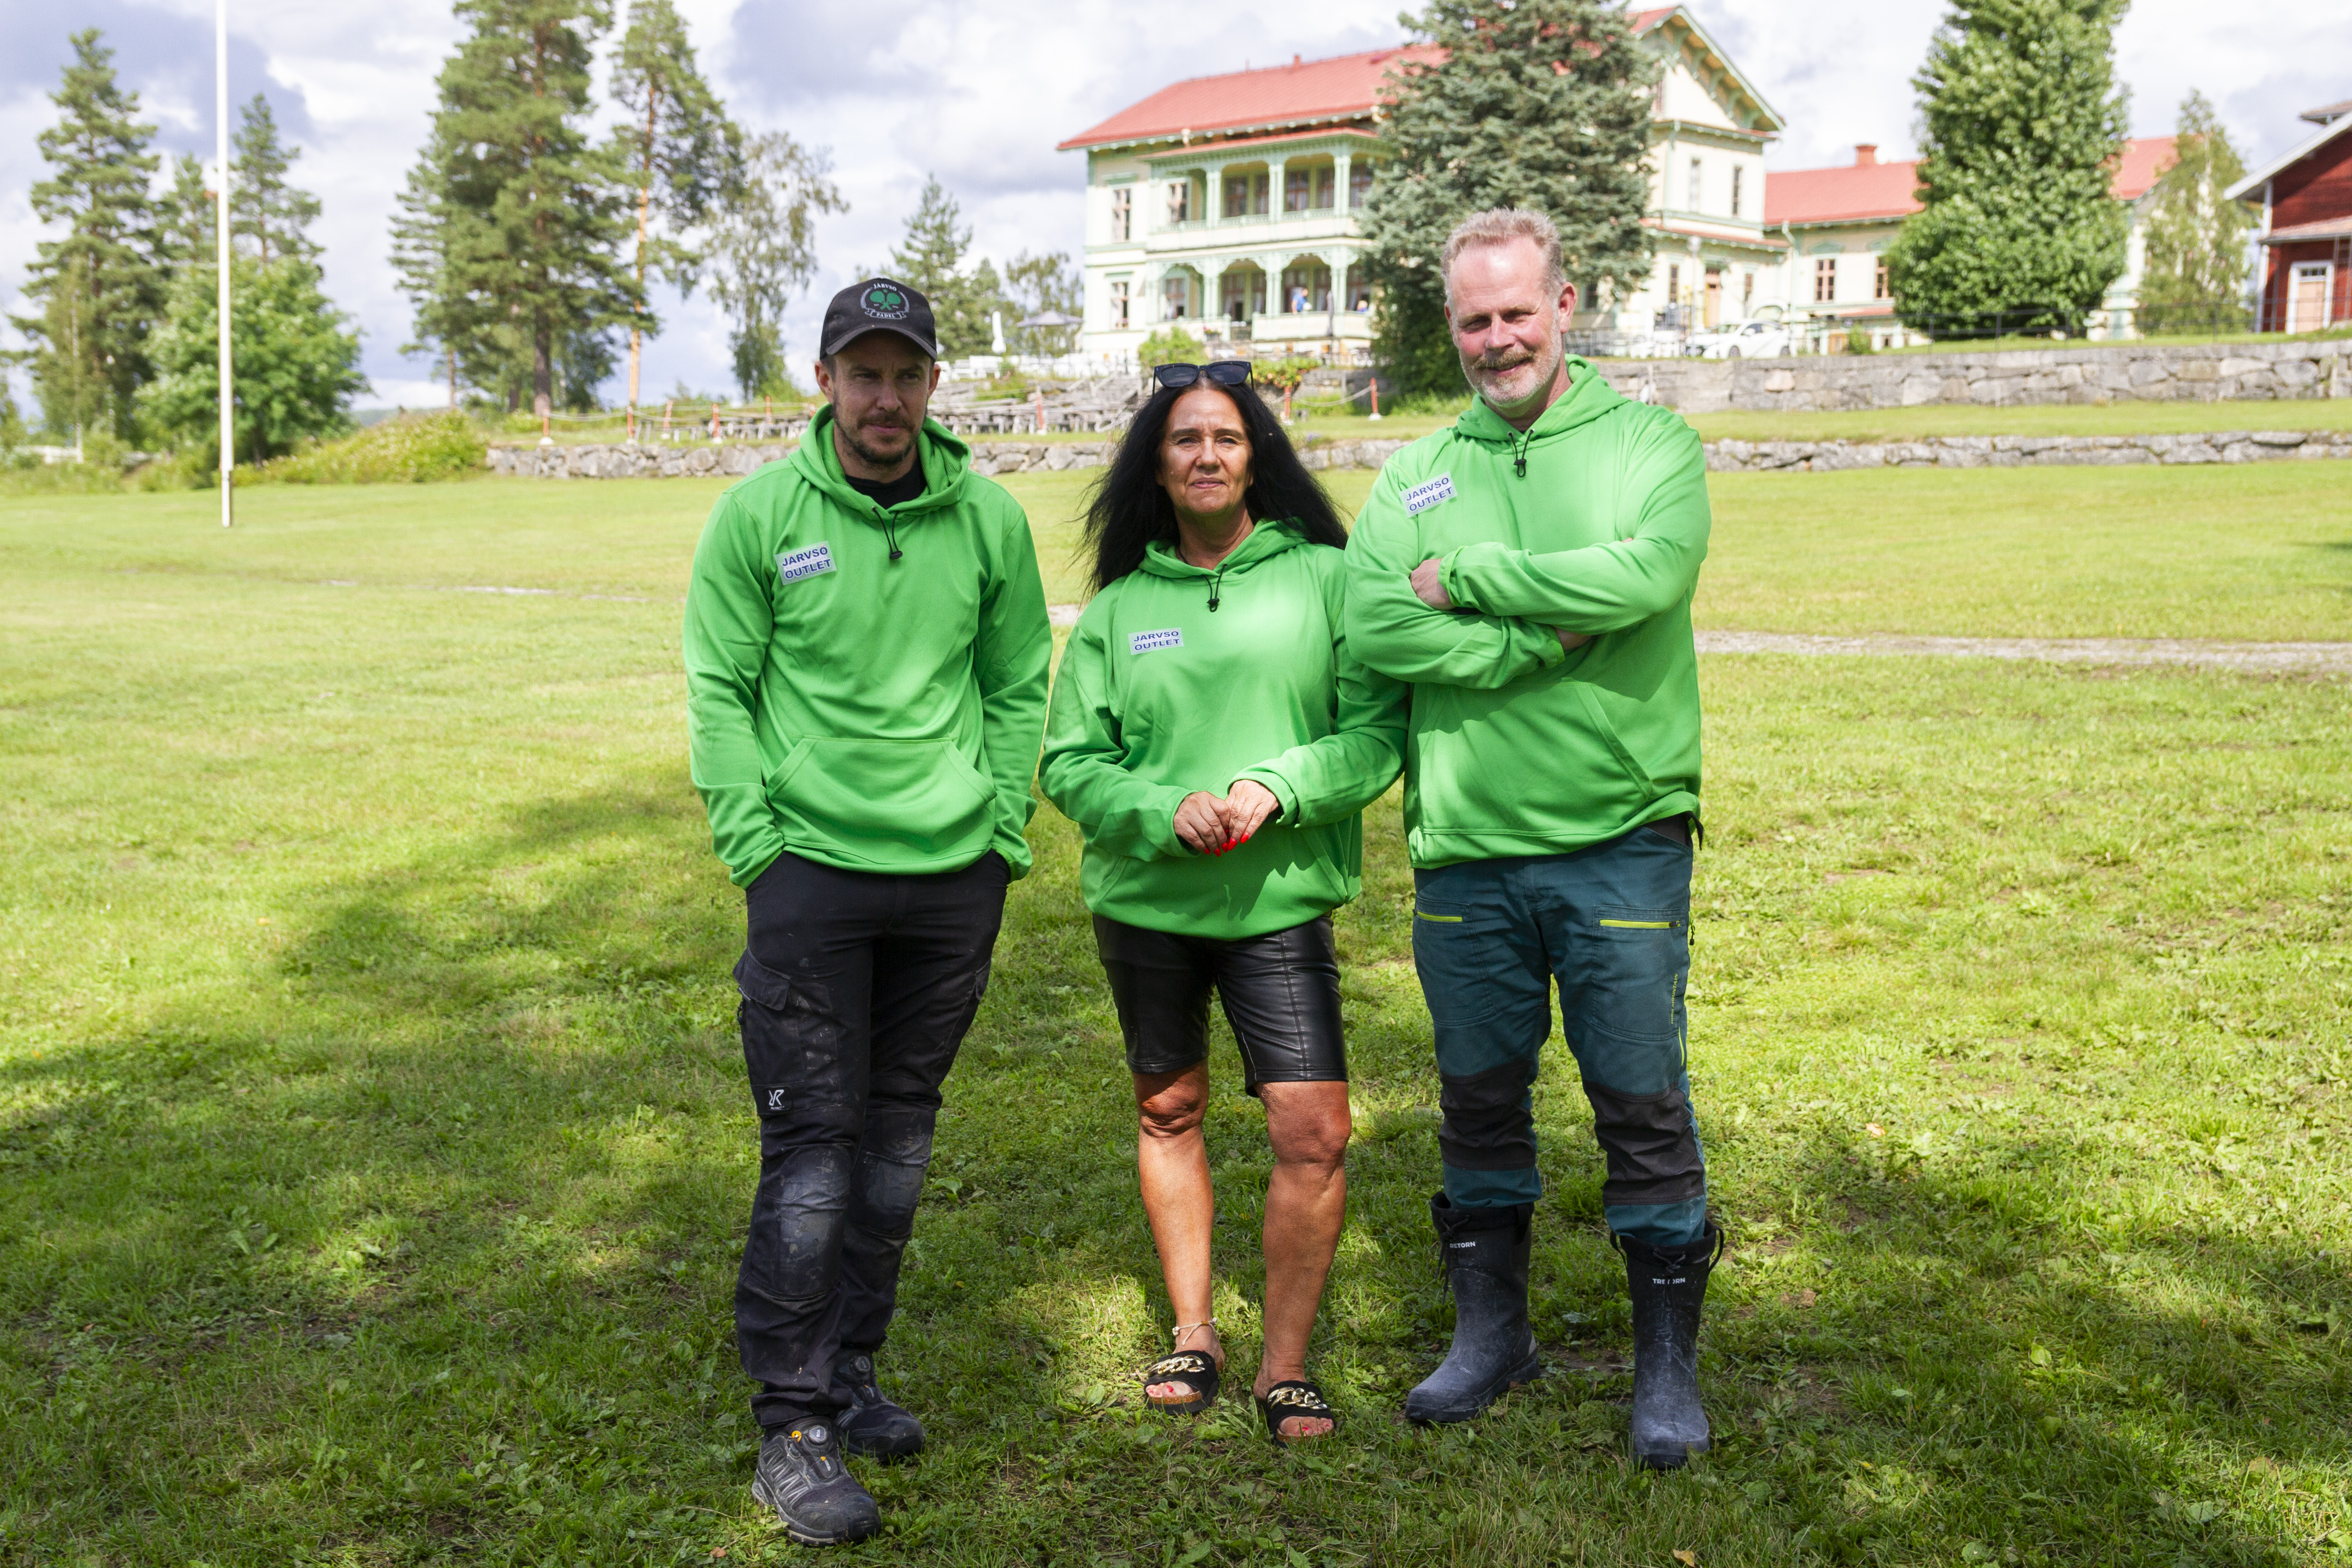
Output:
x=1196 y=1370
x=1295 y=1397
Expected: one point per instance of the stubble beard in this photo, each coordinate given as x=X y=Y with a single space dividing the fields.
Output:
x=870 y=456
x=1489 y=377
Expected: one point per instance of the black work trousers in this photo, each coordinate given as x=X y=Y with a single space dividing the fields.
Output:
x=857 y=990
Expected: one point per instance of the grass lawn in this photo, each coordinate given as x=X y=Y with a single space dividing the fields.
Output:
x=375 y=1144
x=1917 y=424
x=2258 y=553
x=2110 y=419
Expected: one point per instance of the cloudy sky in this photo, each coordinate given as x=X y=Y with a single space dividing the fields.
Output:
x=978 y=91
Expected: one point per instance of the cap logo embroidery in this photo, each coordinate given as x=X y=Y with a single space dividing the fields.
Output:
x=884 y=303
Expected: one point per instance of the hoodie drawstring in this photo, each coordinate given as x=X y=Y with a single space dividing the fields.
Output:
x=1519 y=458
x=891 y=532
x=1216 y=587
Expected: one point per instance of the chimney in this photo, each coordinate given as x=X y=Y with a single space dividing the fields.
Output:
x=1865 y=154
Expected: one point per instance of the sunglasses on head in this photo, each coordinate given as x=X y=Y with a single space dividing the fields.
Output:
x=1224 y=373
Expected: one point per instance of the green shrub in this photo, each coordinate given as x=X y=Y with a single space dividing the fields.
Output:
x=414 y=450
x=1170 y=345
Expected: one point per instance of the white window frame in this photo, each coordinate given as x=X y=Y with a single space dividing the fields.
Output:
x=1738 y=173
x=1697 y=188
x=1122 y=214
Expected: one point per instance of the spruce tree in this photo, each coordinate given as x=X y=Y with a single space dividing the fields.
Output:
x=513 y=220
x=273 y=218
x=1537 y=103
x=100 y=287
x=763 y=245
x=681 y=152
x=2019 y=230
x=932 y=260
x=2196 y=269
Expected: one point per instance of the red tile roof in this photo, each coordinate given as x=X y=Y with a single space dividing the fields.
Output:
x=1302 y=92
x=1340 y=88
x=1857 y=193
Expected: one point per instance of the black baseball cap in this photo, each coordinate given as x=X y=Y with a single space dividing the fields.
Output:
x=878 y=305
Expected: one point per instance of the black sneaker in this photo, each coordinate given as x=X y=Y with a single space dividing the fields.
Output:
x=800 y=1475
x=872 y=1424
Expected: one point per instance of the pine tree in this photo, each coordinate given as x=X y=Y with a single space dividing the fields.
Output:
x=297 y=361
x=681 y=151
x=1537 y=103
x=263 y=209
x=764 y=245
x=2019 y=230
x=511 y=223
x=100 y=287
x=440 y=318
x=931 y=261
x=2196 y=266
x=183 y=227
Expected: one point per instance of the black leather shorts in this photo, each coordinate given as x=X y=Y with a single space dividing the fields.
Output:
x=1280 y=993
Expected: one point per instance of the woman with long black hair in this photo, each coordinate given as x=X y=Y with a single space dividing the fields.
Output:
x=1217 y=745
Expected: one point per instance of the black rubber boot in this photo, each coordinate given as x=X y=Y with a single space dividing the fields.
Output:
x=1669 y=1287
x=1485 y=1258
x=872 y=1424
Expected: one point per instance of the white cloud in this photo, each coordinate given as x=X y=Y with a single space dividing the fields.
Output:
x=978 y=91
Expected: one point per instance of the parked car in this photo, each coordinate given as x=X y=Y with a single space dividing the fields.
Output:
x=1749 y=339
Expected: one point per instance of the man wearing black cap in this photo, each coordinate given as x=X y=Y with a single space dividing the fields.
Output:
x=865 y=654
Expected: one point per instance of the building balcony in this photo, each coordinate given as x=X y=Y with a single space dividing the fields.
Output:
x=1253 y=231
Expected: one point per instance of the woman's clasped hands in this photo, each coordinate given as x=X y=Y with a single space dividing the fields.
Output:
x=1209 y=824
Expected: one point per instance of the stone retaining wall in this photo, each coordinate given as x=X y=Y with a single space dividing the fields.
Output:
x=1722 y=457
x=2123 y=372
x=2022 y=451
x=624 y=461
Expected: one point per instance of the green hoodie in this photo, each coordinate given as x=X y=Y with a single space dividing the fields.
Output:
x=1594 y=520
x=871 y=714
x=1160 y=695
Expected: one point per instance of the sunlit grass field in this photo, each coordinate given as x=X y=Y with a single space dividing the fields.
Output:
x=373 y=1145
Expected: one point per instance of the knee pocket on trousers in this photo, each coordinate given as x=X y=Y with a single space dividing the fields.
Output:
x=1650 y=1143
x=1489 y=1121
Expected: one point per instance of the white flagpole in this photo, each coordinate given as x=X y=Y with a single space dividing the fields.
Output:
x=220 y=144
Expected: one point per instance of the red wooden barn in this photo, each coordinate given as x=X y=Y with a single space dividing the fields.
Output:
x=2306 y=234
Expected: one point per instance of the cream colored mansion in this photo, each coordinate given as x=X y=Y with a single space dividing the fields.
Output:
x=1229 y=204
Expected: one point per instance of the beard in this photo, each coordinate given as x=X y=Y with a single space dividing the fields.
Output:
x=1492 y=373
x=859 y=440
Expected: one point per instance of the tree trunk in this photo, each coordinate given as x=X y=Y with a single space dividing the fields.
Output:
x=644 y=204
x=543 y=373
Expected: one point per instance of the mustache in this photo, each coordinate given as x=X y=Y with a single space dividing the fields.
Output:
x=1504 y=359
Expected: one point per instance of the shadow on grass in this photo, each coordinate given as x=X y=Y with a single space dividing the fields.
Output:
x=423 y=1246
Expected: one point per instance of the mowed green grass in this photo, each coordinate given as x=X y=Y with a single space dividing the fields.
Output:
x=373 y=1147
x=2260 y=553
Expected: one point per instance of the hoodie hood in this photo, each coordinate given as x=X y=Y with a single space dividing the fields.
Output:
x=1269 y=538
x=1588 y=397
x=946 y=459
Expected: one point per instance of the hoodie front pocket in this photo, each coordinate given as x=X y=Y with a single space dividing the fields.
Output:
x=884 y=801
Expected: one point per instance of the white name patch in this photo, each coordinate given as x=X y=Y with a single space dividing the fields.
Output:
x=812 y=561
x=1152 y=642
x=1427 y=494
